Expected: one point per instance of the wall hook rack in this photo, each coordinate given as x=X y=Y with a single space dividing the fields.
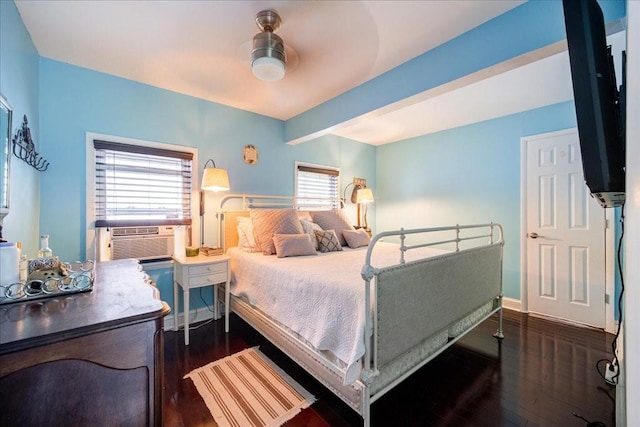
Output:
x=24 y=148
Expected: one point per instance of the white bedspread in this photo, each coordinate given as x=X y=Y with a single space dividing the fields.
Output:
x=321 y=297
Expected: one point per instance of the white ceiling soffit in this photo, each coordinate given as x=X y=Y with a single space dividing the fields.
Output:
x=504 y=89
x=533 y=80
x=202 y=48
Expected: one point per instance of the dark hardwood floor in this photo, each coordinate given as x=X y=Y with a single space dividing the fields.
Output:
x=539 y=375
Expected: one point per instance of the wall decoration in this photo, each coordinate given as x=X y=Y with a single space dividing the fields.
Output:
x=24 y=148
x=250 y=154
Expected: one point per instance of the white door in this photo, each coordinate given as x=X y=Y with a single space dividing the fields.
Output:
x=565 y=233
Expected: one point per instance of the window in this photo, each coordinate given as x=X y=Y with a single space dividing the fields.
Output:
x=140 y=185
x=316 y=187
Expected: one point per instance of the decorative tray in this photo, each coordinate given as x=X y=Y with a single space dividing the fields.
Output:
x=49 y=277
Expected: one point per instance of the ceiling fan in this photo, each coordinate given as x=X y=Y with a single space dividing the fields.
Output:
x=268 y=56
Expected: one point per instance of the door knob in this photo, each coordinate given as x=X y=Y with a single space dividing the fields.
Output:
x=533 y=235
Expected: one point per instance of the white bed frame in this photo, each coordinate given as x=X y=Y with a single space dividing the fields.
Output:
x=470 y=276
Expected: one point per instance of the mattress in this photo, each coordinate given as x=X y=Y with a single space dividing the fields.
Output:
x=318 y=297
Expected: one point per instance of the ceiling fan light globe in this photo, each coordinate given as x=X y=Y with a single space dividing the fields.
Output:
x=268 y=69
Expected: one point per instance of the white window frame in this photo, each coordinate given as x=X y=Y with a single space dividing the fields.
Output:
x=90 y=215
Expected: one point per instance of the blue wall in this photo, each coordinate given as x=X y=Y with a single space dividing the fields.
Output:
x=77 y=100
x=465 y=175
x=19 y=70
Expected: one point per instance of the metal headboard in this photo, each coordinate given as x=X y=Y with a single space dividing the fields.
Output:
x=227 y=217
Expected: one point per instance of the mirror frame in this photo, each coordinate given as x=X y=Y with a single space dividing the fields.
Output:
x=6 y=146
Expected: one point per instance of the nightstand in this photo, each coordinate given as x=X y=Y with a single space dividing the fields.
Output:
x=196 y=272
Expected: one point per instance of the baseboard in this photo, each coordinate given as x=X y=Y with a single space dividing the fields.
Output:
x=516 y=305
x=512 y=304
x=198 y=315
x=613 y=330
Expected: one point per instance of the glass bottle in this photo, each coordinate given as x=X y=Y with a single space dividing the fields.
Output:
x=23 y=267
x=44 y=251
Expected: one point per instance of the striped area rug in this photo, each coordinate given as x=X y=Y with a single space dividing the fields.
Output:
x=247 y=389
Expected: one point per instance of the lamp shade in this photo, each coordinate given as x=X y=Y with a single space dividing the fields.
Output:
x=364 y=195
x=215 y=179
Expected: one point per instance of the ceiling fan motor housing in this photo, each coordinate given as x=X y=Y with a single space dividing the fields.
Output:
x=269 y=45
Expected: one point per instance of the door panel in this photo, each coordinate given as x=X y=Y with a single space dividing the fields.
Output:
x=566 y=236
x=547 y=271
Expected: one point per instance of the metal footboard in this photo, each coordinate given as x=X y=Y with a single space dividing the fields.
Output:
x=416 y=302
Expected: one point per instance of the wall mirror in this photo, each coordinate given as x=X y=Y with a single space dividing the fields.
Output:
x=5 y=156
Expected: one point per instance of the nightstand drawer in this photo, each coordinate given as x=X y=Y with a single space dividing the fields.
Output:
x=208 y=279
x=220 y=267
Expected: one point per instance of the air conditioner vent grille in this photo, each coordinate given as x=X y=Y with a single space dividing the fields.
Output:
x=144 y=248
x=143 y=243
x=134 y=231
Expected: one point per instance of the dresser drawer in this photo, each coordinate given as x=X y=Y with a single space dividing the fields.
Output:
x=196 y=270
x=208 y=279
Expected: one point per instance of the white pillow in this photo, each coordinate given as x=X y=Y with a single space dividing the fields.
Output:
x=356 y=238
x=293 y=245
x=304 y=216
x=309 y=228
x=246 y=240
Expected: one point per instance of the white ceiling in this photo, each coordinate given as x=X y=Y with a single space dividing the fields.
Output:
x=201 y=48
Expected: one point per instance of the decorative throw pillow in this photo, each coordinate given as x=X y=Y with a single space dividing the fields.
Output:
x=310 y=228
x=334 y=219
x=246 y=240
x=267 y=222
x=328 y=241
x=356 y=238
x=293 y=245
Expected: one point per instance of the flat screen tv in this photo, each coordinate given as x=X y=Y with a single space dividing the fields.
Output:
x=599 y=104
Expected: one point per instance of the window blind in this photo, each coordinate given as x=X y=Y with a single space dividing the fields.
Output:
x=138 y=186
x=316 y=187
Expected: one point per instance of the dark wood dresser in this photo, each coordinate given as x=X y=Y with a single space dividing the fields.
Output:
x=87 y=359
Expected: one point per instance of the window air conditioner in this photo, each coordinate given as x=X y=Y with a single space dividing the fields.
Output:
x=143 y=243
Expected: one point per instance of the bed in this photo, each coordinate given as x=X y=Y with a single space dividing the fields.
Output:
x=362 y=320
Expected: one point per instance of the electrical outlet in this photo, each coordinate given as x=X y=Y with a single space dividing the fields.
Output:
x=611 y=374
